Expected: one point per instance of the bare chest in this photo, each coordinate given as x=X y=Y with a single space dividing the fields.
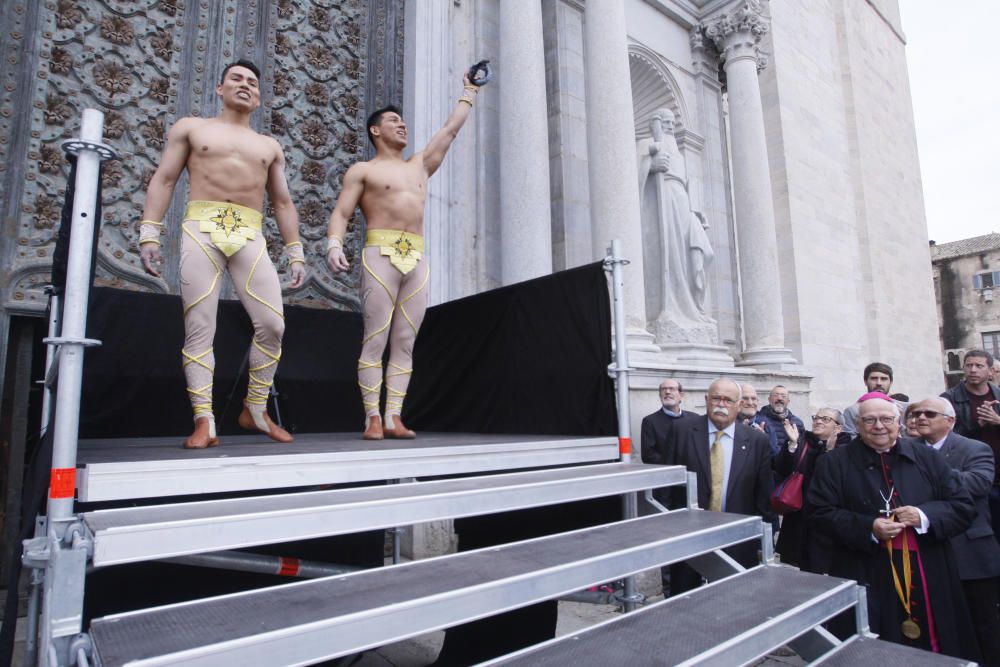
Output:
x=244 y=147
x=396 y=179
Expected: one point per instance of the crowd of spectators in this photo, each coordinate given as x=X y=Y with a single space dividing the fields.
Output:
x=901 y=496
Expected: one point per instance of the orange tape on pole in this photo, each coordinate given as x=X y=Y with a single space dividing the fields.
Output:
x=624 y=445
x=62 y=482
x=288 y=567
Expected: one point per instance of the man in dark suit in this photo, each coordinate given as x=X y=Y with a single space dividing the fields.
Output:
x=657 y=428
x=733 y=465
x=976 y=551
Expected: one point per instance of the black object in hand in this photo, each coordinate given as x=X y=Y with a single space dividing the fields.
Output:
x=480 y=73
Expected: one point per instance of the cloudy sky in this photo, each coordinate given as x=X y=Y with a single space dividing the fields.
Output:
x=951 y=54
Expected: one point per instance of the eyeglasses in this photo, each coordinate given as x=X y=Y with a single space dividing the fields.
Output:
x=823 y=418
x=885 y=421
x=930 y=414
x=725 y=400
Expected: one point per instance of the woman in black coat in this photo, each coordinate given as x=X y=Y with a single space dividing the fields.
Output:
x=796 y=543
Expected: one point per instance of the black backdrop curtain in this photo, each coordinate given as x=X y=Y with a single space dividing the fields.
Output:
x=527 y=358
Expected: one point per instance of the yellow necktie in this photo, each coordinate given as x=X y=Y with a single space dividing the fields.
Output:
x=718 y=460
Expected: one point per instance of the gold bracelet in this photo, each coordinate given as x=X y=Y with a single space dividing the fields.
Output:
x=296 y=261
x=465 y=99
x=293 y=243
x=474 y=89
x=333 y=242
x=151 y=222
x=144 y=241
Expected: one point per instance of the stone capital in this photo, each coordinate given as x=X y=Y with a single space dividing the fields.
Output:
x=736 y=34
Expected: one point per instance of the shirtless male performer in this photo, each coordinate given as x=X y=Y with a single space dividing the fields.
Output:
x=229 y=168
x=391 y=191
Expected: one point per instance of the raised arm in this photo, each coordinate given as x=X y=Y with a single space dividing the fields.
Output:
x=437 y=148
x=350 y=195
x=160 y=189
x=286 y=216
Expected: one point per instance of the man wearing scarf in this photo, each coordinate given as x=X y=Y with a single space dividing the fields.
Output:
x=889 y=506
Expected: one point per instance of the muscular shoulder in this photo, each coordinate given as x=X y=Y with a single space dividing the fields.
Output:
x=272 y=143
x=358 y=172
x=185 y=126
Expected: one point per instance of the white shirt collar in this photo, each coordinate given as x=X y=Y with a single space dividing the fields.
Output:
x=729 y=430
x=937 y=445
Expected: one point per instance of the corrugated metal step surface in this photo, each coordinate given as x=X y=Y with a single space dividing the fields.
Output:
x=871 y=651
x=730 y=622
x=313 y=620
x=146 y=533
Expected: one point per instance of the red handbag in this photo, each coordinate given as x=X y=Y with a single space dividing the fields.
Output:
x=787 y=496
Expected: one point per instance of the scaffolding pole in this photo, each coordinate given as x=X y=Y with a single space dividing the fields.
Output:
x=245 y=561
x=614 y=262
x=62 y=551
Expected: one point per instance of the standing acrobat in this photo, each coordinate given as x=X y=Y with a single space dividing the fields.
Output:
x=230 y=166
x=391 y=191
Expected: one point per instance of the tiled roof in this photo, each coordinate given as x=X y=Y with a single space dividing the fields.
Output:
x=972 y=246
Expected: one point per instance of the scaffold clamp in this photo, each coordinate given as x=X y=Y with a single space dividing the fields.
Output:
x=77 y=146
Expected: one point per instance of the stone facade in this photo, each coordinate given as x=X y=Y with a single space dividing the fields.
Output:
x=793 y=122
x=967 y=288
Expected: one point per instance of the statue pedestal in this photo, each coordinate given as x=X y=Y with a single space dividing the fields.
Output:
x=772 y=357
x=699 y=354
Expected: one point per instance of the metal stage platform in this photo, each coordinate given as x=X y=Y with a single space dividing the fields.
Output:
x=125 y=468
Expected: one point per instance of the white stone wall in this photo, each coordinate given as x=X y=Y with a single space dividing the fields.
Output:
x=848 y=199
x=904 y=315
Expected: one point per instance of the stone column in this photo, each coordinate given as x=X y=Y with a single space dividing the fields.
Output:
x=431 y=87
x=736 y=35
x=614 y=191
x=526 y=233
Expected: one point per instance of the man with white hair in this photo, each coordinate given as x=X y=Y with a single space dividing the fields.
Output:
x=889 y=507
x=976 y=551
x=733 y=465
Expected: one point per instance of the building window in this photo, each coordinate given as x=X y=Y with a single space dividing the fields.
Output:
x=987 y=280
x=991 y=343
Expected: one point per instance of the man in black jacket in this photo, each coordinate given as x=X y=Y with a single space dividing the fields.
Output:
x=774 y=415
x=658 y=427
x=977 y=413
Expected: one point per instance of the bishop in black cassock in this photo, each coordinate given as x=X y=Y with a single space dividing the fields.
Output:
x=876 y=475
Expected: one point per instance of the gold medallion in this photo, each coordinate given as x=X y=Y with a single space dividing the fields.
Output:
x=910 y=629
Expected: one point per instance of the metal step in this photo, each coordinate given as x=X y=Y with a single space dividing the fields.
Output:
x=119 y=469
x=730 y=622
x=872 y=651
x=148 y=533
x=318 y=619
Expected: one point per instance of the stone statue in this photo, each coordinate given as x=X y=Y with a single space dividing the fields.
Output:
x=678 y=250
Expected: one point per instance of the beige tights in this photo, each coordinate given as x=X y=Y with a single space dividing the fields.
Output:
x=259 y=291
x=393 y=304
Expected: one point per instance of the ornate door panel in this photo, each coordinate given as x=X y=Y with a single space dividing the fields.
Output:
x=145 y=63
